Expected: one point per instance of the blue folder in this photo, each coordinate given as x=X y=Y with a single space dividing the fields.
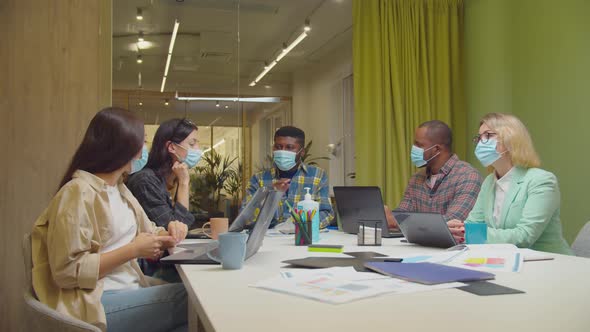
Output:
x=428 y=273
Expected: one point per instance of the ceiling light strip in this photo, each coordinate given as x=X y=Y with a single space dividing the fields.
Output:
x=265 y=71
x=292 y=46
x=170 y=50
x=281 y=55
x=244 y=99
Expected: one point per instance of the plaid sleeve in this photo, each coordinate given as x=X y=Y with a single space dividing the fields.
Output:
x=465 y=196
x=326 y=212
x=407 y=203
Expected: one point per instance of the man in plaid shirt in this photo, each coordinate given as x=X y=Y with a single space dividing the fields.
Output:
x=290 y=175
x=443 y=184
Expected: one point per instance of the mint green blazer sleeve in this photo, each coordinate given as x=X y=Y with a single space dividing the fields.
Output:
x=477 y=214
x=530 y=216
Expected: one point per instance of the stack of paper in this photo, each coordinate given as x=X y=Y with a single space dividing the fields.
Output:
x=482 y=257
x=341 y=284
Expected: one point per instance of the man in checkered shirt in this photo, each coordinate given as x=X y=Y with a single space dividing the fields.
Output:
x=290 y=175
x=443 y=184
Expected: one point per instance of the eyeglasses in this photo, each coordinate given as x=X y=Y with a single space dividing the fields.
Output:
x=483 y=137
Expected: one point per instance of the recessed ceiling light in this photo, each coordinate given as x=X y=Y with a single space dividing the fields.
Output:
x=166 y=102
x=226 y=106
x=140 y=103
x=216 y=104
x=139 y=58
x=140 y=37
x=268 y=86
x=139 y=15
x=307 y=26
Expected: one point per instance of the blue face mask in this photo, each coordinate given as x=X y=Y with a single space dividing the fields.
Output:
x=285 y=160
x=417 y=156
x=192 y=156
x=486 y=152
x=138 y=164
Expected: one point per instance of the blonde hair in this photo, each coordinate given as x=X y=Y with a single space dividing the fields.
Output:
x=515 y=137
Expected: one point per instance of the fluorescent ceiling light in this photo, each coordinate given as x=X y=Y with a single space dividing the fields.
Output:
x=170 y=50
x=174 y=32
x=243 y=99
x=168 y=59
x=292 y=46
x=283 y=53
x=163 y=84
x=265 y=71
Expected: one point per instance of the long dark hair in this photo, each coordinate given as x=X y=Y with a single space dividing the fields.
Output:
x=174 y=130
x=114 y=136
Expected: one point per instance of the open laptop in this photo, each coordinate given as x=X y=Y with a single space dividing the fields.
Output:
x=361 y=204
x=427 y=229
x=260 y=210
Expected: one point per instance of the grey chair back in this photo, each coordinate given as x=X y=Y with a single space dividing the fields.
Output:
x=40 y=317
x=581 y=246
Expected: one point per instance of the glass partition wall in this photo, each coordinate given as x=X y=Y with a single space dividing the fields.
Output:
x=182 y=59
x=229 y=66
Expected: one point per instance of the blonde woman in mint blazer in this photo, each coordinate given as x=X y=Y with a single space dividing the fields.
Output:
x=519 y=202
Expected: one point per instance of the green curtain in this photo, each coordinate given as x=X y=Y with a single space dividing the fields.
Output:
x=407 y=60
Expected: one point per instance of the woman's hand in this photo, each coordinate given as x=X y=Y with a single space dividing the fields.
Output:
x=457 y=230
x=147 y=245
x=180 y=170
x=177 y=230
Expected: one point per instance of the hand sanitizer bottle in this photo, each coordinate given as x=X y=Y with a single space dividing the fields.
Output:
x=309 y=204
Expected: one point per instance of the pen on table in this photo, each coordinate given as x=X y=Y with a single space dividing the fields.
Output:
x=397 y=260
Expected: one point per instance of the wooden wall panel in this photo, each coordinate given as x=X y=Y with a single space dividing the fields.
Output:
x=55 y=73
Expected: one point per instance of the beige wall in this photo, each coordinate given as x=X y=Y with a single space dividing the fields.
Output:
x=317 y=106
x=55 y=69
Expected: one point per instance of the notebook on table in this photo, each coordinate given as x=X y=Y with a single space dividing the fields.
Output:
x=428 y=273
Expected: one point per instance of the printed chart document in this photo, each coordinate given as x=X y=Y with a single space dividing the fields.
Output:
x=483 y=257
x=339 y=285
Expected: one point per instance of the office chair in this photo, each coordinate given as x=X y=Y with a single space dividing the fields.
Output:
x=39 y=316
x=581 y=245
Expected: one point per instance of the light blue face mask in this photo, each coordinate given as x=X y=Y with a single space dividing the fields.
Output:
x=138 y=164
x=192 y=156
x=486 y=152
x=417 y=156
x=285 y=160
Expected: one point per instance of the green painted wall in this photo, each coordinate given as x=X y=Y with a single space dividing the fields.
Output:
x=532 y=58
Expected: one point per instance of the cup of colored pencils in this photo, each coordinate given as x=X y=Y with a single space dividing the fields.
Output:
x=303 y=229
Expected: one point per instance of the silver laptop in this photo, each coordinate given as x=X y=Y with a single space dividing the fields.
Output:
x=426 y=229
x=259 y=212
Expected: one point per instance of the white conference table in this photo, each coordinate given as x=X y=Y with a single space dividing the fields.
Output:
x=557 y=297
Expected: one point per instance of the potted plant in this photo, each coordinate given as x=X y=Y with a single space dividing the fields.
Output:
x=211 y=174
x=233 y=187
